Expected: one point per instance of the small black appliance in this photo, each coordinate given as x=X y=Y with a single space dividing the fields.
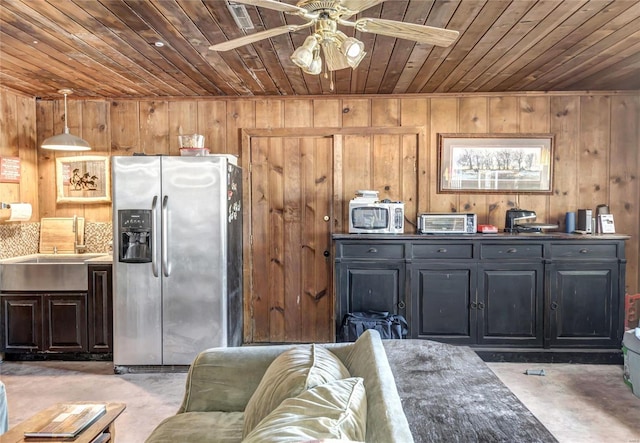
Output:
x=517 y=218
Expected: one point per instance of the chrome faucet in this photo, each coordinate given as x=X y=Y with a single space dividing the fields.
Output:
x=77 y=247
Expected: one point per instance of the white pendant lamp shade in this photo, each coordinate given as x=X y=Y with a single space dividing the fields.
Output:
x=65 y=141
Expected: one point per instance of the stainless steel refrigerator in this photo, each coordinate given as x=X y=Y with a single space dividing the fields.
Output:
x=177 y=258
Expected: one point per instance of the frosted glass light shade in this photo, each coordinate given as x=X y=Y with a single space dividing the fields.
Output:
x=304 y=55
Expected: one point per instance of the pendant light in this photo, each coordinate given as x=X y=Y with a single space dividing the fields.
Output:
x=65 y=141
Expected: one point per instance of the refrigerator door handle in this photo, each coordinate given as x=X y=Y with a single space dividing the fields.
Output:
x=154 y=230
x=165 y=236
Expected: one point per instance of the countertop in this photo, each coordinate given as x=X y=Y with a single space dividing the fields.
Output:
x=88 y=258
x=517 y=236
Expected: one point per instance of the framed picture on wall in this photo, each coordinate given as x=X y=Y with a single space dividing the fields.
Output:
x=495 y=163
x=85 y=179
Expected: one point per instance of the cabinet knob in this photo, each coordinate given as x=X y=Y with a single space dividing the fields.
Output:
x=372 y=250
x=474 y=305
x=554 y=306
x=443 y=250
x=584 y=251
x=401 y=305
x=480 y=305
x=512 y=250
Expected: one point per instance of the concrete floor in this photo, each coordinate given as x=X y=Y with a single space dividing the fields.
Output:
x=577 y=403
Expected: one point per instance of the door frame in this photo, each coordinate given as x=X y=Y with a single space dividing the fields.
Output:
x=336 y=134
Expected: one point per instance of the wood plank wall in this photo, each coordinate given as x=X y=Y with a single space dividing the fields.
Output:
x=597 y=157
x=18 y=140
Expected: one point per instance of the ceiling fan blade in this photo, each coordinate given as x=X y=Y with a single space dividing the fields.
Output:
x=273 y=4
x=356 y=6
x=410 y=31
x=245 y=40
x=333 y=58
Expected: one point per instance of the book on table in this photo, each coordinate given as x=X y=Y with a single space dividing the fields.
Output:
x=70 y=421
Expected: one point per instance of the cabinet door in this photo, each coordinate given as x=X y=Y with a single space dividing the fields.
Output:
x=100 y=301
x=583 y=305
x=509 y=304
x=21 y=322
x=443 y=298
x=65 y=322
x=376 y=286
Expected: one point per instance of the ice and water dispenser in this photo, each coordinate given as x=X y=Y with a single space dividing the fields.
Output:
x=134 y=227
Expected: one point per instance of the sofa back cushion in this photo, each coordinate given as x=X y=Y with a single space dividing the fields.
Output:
x=368 y=359
x=334 y=410
x=291 y=373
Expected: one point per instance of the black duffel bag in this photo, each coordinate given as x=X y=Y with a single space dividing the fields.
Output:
x=388 y=325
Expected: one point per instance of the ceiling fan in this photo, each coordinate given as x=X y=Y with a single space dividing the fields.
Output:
x=339 y=50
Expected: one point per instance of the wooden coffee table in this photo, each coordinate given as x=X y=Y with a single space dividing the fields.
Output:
x=102 y=430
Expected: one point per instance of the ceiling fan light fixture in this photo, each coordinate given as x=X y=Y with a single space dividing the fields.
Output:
x=65 y=141
x=352 y=48
x=315 y=68
x=304 y=55
x=354 y=62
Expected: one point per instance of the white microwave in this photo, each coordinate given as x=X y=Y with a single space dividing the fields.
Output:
x=376 y=217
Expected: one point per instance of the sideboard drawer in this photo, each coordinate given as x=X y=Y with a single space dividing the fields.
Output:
x=512 y=250
x=443 y=250
x=372 y=251
x=581 y=251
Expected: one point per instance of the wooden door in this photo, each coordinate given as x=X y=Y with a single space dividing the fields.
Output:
x=291 y=294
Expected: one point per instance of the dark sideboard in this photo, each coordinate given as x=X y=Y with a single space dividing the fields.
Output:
x=515 y=297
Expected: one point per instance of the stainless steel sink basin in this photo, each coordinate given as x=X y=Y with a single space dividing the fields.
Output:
x=50 y=272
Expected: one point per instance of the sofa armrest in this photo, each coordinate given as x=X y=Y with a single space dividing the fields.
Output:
x=223 y=379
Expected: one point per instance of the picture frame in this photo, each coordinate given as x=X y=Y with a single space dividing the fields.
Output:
x=83 y=179
x=495 y=163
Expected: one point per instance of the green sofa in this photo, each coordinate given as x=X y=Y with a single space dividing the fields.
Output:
x=267 y=393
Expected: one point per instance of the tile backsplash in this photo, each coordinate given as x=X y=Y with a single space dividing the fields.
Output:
x=98 y=236
x=18 y=239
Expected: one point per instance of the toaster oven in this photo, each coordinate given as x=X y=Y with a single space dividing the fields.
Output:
x=447 y=223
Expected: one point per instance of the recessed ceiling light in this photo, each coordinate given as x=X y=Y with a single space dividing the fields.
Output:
x=158 y=44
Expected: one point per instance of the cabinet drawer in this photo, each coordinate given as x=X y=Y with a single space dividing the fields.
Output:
x=443 y=251
x=511 y=250
x=584 y=251
x=373 y=251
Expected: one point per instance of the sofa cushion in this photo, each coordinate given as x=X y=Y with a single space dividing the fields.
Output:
x=337 y=409
x=368 y=359
x=214 y=427
x=292 y=372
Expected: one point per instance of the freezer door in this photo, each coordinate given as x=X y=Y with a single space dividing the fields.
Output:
x=193 y=259
x=137 y=315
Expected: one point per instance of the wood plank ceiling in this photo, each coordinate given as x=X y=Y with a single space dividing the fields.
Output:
x=107 y=48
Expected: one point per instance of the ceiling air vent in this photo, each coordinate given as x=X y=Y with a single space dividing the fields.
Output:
x=240 y=15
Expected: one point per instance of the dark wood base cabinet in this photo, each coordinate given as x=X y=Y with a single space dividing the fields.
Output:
x=59 y=323
x=513 y=297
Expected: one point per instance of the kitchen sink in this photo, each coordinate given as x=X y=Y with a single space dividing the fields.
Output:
x=46 y=272
x=62 y=258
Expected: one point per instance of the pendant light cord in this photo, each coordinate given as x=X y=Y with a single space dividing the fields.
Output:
x=66 y=128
